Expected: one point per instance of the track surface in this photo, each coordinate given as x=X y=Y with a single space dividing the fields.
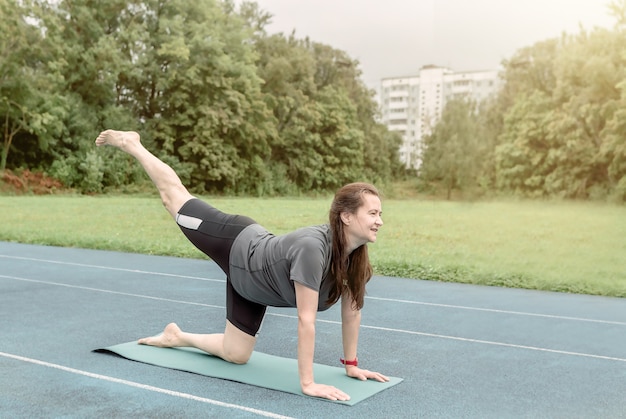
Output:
x=463 y=351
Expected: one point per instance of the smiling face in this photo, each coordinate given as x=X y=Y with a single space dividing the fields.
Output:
x=362 y=227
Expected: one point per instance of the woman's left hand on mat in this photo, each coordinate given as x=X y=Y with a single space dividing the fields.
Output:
x=361 y=374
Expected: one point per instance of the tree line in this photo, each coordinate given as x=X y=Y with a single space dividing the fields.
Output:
x=231 y=108
x=234 y=109
x=557 y=127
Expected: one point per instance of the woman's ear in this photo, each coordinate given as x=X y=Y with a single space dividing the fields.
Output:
x=346 y=217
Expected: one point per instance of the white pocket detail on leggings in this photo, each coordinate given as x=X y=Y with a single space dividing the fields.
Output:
x=186 y=221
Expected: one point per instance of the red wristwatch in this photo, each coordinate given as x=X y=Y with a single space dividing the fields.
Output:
x=354 y=363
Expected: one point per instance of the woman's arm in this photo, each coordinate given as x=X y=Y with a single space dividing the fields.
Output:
x=350 y=324
x=307 y=302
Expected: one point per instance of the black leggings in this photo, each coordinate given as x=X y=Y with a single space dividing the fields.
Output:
x=213 y=232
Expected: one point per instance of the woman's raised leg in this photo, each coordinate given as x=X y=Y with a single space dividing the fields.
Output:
x=173 y=193
x=233 y=345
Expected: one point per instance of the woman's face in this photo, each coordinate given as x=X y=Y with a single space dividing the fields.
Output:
x=362 y=227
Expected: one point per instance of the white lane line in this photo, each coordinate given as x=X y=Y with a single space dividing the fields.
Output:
x=127 y=294
x=145 y=386
x=486 y=342
x=84 y=265
x=458 y=307
x=491 y=310
x=509 y=345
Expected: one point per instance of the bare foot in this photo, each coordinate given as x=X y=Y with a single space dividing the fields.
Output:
x=170 y=337
x=119 y=139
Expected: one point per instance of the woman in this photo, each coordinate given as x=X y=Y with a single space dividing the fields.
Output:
x=310 y=269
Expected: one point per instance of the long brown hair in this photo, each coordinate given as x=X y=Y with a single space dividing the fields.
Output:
x=353 y=270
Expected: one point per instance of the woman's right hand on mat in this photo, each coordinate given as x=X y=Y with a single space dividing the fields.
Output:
x=324 y=391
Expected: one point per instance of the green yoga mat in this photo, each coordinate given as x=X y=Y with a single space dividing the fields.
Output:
x=262 y=370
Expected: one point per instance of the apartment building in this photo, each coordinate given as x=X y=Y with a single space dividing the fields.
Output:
x=412 y=105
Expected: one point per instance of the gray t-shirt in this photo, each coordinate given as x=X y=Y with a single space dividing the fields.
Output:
x=263 y=266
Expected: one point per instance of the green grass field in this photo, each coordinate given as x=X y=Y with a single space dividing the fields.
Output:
x=559 y=246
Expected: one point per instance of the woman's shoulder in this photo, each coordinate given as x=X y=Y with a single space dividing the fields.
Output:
x=311 y=239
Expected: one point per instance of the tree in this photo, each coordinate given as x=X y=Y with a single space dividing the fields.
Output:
x=452 y=150
x=199 y=94
x=81 y=63
x=589 y=72
x=617 y=8
x=229 y=107
x=324 y=116
x=522 y=161
x=557 y=116
x=16 y=93
x=614 y=146
x=614 y=149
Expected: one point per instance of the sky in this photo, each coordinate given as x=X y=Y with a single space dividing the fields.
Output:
x=392 y=38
